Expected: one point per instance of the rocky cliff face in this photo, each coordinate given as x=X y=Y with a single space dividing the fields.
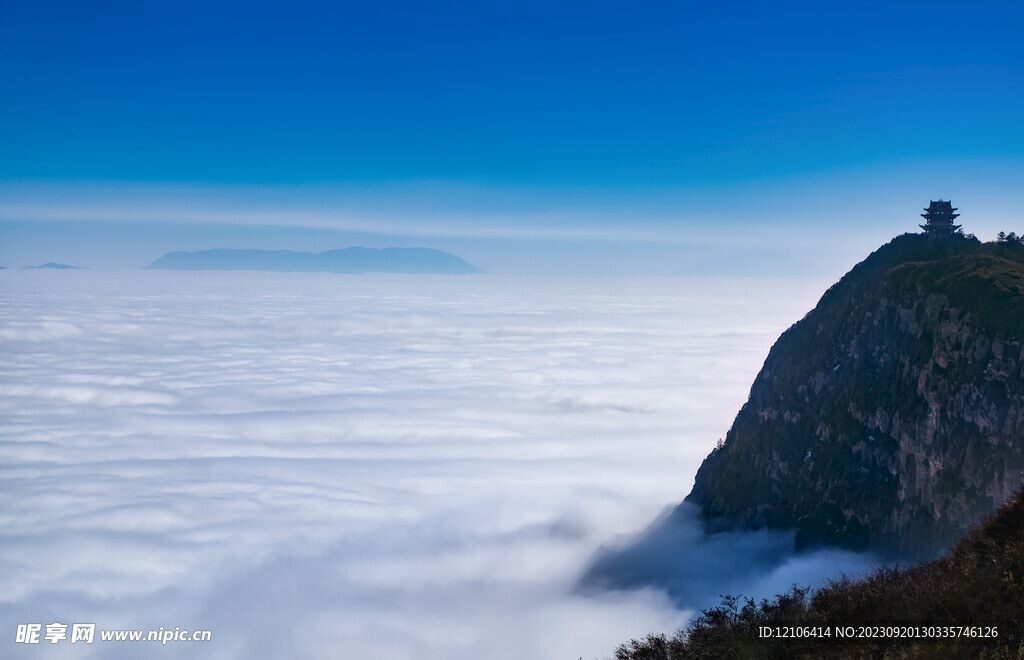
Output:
x=892 y=416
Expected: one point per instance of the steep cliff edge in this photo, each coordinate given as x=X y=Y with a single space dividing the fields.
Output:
x=891 y=416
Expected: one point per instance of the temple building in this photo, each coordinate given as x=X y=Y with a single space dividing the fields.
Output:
x=940 y=218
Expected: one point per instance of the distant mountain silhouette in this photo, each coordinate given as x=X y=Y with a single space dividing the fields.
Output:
x=56 y=266
x=348 y=260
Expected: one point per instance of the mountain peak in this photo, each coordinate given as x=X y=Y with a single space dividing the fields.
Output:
x=891 y=416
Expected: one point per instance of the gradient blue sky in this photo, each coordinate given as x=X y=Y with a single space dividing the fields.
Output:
x=642 y=134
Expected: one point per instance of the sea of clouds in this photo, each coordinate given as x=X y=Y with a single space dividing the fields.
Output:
x=315 y=465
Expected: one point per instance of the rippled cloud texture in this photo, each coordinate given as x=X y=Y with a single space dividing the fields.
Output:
x=370 y=466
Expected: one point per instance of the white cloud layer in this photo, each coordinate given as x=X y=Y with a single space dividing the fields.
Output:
x=313 y=465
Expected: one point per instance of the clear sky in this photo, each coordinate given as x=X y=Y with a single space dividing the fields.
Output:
x=519 y=135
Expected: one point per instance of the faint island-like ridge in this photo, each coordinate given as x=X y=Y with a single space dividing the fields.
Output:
x=54 y=266
x=348 y=260
x=891 y=417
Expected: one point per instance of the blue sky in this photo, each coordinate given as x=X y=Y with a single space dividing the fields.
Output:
x=494 y=128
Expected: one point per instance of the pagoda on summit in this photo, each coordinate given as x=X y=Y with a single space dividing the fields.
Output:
x=940 y=218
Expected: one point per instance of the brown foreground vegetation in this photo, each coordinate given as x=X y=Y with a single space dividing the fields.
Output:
x=968 y=604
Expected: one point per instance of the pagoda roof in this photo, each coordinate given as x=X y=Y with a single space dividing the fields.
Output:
x=939 y=205
x=940 y=213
